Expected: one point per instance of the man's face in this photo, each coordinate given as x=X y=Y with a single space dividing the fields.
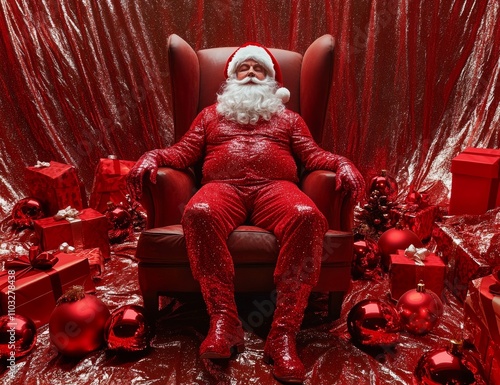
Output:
x=250 y=68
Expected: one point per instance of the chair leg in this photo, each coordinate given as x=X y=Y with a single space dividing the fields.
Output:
x=335 y=299
x=151 y=305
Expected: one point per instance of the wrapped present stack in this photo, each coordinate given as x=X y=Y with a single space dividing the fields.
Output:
x=109 y=183
x=40 y=279
x=468 y=245
x=56 y=185
x=482 y=323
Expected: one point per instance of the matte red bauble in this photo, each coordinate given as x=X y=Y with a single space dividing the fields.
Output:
x=452 y=365
x=76 y=325
x=373 y=322
x=420 y=310
x=25 y=212
x=127 y=330
x=17 y=336
x=396 y=239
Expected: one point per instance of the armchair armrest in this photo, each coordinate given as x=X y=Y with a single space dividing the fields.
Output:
x=335 y=205
x=164 y=201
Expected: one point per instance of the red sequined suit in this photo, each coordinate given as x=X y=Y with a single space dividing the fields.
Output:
x=250 y=173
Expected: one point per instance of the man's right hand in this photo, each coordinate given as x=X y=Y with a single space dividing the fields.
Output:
x=149 y=162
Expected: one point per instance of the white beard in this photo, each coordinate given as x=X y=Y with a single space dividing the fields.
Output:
x=247 y=103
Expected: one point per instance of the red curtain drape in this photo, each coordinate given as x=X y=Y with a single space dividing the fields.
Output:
x=415 y=81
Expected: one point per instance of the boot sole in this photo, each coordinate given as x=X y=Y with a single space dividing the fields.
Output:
x=287 y=379
x=236 y=349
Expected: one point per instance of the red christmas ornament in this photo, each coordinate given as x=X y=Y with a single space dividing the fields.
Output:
x=127 y=330
x=76 y=325
x=420 y=310
x=25 y=212
x=372 y=322
x=366 y=260
x=17 y=336
x=384 y=184
x=120 y=223
x=446 y=366
x=396 y=239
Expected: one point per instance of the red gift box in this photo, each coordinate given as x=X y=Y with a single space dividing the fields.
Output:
x=422 y=221
x=88 y=230
x=474 y=183
x=34 y=293
x=494 y=152
x=56 y=186
x=405 y=274
x=109 y=183
x=482 y=324
x=463 y=260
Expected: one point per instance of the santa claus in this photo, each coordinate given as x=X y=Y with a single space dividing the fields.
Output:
x=249 y=142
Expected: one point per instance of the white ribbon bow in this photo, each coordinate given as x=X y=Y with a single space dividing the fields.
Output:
x=418 y=254
x=67 y=213
x=42 y=164
x=66 y=248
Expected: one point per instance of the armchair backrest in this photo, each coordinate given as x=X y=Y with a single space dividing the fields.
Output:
x=196 y=77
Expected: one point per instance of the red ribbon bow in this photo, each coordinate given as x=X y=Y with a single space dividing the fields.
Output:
x=43 y=261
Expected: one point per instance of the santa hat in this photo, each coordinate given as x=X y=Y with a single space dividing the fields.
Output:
x=265 y=58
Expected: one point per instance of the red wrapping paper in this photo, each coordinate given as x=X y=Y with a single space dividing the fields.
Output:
x=56 y=186
x=36 y=291
x=462 y=257
x=474 y=183
x=405 y=274
x=422 y=221
x=88 y=231
x=482 y=324
x=109 y=183
x=96 y=261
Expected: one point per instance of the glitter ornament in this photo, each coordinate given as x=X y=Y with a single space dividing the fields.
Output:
x=420 y=310
x=25 y=212
x=385 y=184
x=18 y=336
x=127 y=330
x=373 y=322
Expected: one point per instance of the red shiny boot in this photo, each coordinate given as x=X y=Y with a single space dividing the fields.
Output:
x=225 y=335
x=281 y=349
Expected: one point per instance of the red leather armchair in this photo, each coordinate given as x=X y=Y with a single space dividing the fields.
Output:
x=195 y=79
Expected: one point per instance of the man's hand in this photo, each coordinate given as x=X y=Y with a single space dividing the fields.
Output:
x=351 y=179
x=149 y=162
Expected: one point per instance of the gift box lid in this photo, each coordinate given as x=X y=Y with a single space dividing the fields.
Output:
x=483 y=151
x=61 y=175
x=430 y=260
x=475 y=165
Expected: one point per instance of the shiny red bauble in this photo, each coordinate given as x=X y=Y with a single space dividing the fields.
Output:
x=366 y=258
x=385 y=184
x=76 y=325
x=373 y=322
x=127 y=330
x=17 y=336
x=396 y=239
x=25 y=212
x=420 y=310
x=446 y=366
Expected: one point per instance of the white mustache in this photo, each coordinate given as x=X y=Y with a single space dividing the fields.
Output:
x=250 y=79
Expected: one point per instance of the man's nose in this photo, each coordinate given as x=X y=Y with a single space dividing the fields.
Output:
x=251 y=74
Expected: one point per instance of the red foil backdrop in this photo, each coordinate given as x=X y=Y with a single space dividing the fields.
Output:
x=415 y=82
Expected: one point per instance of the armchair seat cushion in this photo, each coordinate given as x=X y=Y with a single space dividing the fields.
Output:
x=249 y=245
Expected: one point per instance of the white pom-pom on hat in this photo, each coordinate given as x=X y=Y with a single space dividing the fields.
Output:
x=283 y=93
